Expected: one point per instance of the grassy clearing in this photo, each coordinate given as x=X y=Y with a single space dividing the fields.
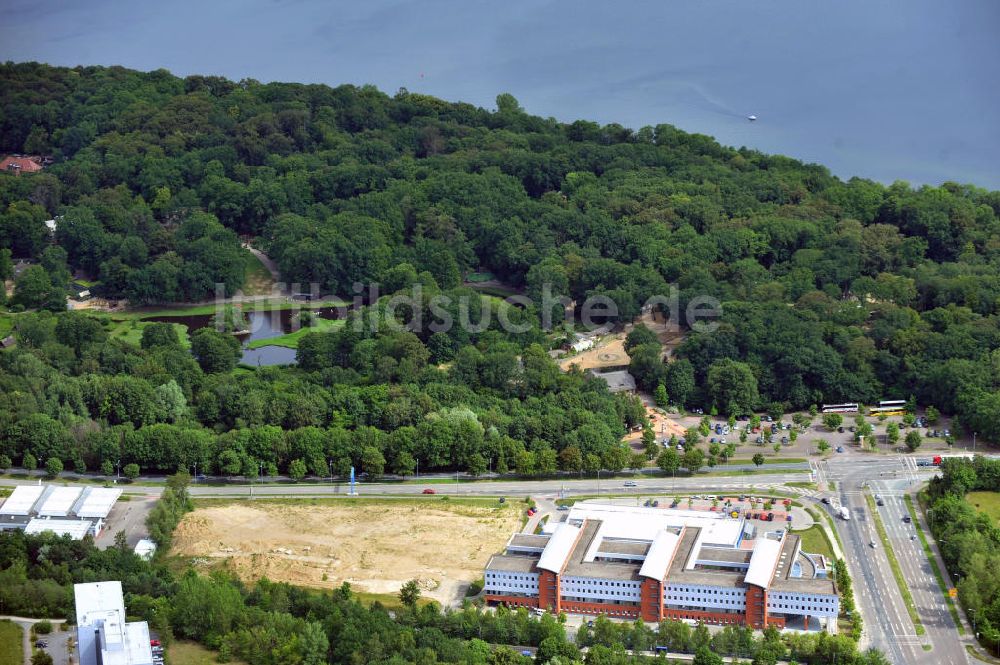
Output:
x=388 y=600
x=11 y=644
x=291 y=340
x=822 y=515
x=131 y=331
x=6 y=323
x=192 y=653
x=210 y=308
x=771 y=460
x=938 y=575
x=443 y=502
x=258 y=281
x=986 y=502
x=803 y=484
x=897 y=572
x=815 y=541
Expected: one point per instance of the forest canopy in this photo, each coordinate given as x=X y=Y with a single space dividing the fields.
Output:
x=830 y=290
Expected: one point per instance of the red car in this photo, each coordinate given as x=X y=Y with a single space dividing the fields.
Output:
x=429 y=491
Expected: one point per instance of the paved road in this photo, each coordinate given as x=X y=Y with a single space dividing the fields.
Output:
x=128 y=517
x=887 y=624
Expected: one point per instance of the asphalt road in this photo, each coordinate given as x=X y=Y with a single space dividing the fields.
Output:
x=887 y=624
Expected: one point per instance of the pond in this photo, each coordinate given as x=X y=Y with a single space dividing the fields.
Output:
x=263 y=324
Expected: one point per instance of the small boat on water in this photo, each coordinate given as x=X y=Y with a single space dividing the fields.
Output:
x=751 y=118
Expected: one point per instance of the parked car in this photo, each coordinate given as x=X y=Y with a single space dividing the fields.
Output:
x=429 y=491
x=41 y=644
x=840 y=449
x=841 y=429
x=631 y=483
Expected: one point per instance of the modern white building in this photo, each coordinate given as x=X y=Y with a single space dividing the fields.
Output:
x=73 y=511
x=656 y=564
x=103 y=635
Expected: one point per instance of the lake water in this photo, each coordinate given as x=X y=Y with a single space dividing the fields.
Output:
x=892 y=89
x=263 y=324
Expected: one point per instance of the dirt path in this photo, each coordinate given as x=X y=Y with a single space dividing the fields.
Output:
x=271 y=266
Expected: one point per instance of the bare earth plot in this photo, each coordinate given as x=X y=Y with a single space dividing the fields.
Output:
x=609 y=352
x=377 y=546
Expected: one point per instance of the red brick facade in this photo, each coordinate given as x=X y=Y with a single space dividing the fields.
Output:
x=548 y=591
x=651 y=599
x=756 y=606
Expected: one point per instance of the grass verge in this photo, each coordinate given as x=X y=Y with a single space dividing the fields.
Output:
x=192 y=653
x=815 y=541
x=897 y=572
x=938 y=575
x=11 y=644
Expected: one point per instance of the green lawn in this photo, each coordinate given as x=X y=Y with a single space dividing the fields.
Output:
x=291 y=340
x=11 y=644
x=815 y=541
x=210 y=308
x=258 y=281
x=192 y=653
x=6 y=324
x=987 y=502
x=131 y=331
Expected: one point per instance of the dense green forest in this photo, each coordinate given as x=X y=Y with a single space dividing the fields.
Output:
x=831 y=290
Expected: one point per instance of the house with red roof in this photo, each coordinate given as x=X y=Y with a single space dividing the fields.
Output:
x=21 y=164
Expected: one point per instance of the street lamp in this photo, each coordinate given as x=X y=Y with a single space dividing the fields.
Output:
x=118 y=473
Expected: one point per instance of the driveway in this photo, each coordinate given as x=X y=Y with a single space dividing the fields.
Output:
x=58 y=641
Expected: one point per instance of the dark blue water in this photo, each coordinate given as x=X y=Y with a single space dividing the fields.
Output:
x=887 y=89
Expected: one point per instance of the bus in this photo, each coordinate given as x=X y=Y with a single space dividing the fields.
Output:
x=898 y=403
x=850 y=407
x=887 y=411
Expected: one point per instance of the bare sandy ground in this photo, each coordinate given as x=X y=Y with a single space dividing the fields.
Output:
x=609 y=352
x=376 y=546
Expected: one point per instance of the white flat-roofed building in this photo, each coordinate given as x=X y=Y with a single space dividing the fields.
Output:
x=653 y=564
x=59 y=501
x=97 y=502
x=75 y=529
x=718 y=529
x=22 y=500
x=55 y=507
x=103 y=635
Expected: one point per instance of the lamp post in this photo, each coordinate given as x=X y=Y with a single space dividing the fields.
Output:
x=118 y=473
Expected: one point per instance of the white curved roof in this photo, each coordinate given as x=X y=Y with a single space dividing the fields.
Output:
x=763 y=561
x=558 y=548
x=659 y=556
x=21 y=500
x=98 y=502
x=59 y=501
